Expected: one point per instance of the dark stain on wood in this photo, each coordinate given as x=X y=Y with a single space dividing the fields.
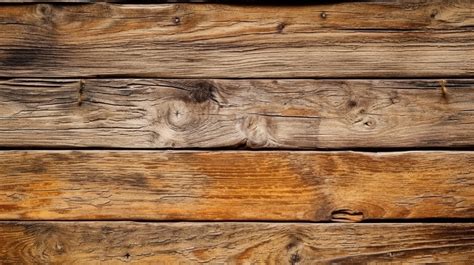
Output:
x=20 y=57
x=201 y=91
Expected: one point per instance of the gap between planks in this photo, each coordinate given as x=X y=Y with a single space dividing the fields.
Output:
x=256 y=221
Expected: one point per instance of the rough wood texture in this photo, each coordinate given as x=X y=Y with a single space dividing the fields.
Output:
x=403 y=38
x=314 y=186
x=149 y=113
x=235 y=243
x=46 y=1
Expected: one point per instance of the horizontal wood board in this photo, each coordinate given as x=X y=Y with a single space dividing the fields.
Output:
x=233 y=185
x=212 y=113
x=378 y=39
x=234 y=243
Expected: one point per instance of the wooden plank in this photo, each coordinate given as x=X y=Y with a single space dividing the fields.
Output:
x=150 y=113
x=234 y=243
x=45 y=1
x=240 y=185
x=398 y=39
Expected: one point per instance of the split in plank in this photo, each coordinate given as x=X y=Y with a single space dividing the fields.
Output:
x=151 y=113
x=234 y=243
x=237 y=185
x=397 y=39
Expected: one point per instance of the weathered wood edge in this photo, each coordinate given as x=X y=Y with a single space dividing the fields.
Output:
x=226 y=113
x=187 y=40
x=256 y=243
x=235 y=185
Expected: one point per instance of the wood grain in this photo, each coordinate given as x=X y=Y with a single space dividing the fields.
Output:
x=381 y=39
x=234 y=243
x=46 y=1
x=237 y=185
x=151 y=113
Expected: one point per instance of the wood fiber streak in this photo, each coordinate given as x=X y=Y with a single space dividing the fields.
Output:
x=150 y=113
x=237 y=185
x=234 y=243
x=381 y=39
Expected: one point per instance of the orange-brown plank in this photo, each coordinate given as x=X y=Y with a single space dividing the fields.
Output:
x=240 y=185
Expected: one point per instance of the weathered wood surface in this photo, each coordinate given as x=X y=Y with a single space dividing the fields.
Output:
x=235 y=185
x=234 y=243
x=406 y=39
x=149 y=113
x=46 y=1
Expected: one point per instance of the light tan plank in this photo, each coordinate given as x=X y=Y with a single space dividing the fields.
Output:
x=234 y=243
x=310 y=186
x=403 y=38
x=150 y=113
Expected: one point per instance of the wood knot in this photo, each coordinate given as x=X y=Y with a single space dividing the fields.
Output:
x=181 y=116
x=255 y=129
x=201 y=92
x=46 y=14
x=294 y=242
x=295 y=258
x=352 y=103
x=370 y=123
x=44 y=10
x=365 y=121
x=346 y=215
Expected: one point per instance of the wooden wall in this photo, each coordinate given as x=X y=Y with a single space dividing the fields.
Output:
x=312 y=132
